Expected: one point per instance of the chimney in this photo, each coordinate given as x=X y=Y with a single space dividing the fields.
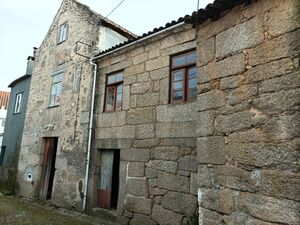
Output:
x=31 y=62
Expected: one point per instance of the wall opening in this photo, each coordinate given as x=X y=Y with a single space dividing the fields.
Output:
x=108 y=179
x=2 y=152
x=48 y=168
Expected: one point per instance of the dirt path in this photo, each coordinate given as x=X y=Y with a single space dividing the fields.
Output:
x=18 y=211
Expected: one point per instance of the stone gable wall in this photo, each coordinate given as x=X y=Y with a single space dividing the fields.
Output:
x=157 y=140
x=69 y=121
x=249 y=81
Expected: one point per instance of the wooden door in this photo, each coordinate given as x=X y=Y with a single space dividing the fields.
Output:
x=104 y=188
x=48 y=169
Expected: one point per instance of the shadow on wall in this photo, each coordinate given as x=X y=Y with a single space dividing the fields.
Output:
x=7 y=180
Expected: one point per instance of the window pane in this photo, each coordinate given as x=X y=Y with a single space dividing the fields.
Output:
x=119 y=77
x=120 y=89
x=191 y=58
x=177 y=95
x=18 y=101
x=178 y=75
x=192 y=88
x=119 y=105
x=111 y=79
x=192 y=73
x=55 y=94
x=110 y=98
x=119 y=97
x=58 y=78
x=178 y=61
x=119 y=101
x=63 y=32
x=52 y=100
x=177 y=86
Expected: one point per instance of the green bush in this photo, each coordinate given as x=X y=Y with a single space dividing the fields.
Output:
x=193 y=219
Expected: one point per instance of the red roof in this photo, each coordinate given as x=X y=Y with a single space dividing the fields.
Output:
x=4 y=96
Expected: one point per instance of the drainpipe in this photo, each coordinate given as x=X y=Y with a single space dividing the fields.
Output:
x=93 y=100
x=86 y=179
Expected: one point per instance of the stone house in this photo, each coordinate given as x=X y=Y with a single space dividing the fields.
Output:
x=14 y=124
x=201 y=114
x=169 y=139
x=15 y=117
x=53 y=150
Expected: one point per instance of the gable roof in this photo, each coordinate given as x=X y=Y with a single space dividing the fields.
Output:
x=211 y=11
x=107 y=22
x=4 y=96
x=92 y=15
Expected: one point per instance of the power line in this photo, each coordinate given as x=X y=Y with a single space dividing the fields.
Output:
x=97 y=25
x=115 y=8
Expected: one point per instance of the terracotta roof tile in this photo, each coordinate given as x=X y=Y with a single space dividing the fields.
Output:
x=211 y=11
x=4 y=97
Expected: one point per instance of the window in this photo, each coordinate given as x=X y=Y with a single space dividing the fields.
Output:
x=114 y=92
x=2 y=122
x=63 y=33
x=18 y=102
x=56 y=89
x=183 y=85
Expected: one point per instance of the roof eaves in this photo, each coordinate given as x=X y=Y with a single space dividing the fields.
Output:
x=144 y=35
x=211 y=11
x=13 y=83
x=107 y=21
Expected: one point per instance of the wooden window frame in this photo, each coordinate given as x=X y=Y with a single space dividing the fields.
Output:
x=55 y=104
x=64 y=26
x=185 y=68
x=115 y=87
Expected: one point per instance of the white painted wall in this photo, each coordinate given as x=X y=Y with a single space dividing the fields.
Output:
x=2 y=123
x=109 y=38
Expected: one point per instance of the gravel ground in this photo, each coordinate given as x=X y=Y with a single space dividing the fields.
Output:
x=19 y=211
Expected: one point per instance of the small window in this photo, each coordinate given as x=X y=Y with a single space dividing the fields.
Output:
x=63 y=32
x=114 y=92
x=2 y=122
x=183 y=82
x=56 y=89
x=18 y=102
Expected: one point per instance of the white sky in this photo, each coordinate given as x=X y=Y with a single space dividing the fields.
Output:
x=24 y=24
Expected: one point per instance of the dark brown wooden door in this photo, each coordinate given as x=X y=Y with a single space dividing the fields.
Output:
x=48 y=169
x=104 y=188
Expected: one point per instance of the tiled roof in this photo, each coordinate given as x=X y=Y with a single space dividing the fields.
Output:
x=155 y=30
x=212 y=11
x=4 y=96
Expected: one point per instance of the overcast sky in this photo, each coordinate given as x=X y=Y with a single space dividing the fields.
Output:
x=24 y=24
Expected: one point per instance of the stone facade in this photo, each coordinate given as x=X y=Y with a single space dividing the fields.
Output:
x=232 y=154
x=234 y=150
x=248 y=81
x=68 y=121
x=157 y=140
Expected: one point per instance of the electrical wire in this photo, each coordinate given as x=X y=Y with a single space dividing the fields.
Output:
x=97 y=25
x=114 y=9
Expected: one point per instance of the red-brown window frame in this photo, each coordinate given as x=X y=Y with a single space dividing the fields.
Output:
x=185 y=68
x=115 y=87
